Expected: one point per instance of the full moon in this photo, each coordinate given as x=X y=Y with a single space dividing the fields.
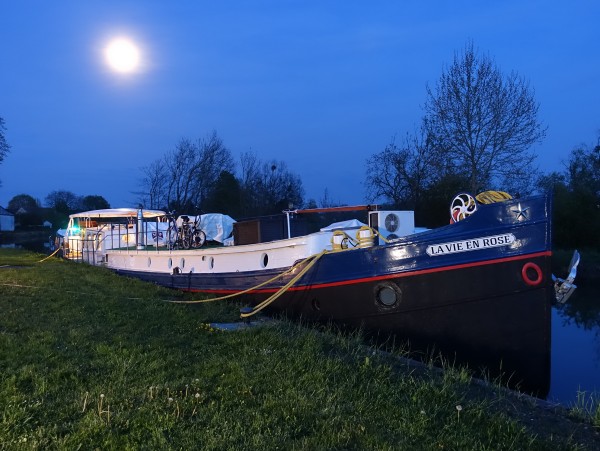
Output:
x=122 y=55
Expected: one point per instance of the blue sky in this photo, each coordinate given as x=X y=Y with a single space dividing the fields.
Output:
x=321 y=85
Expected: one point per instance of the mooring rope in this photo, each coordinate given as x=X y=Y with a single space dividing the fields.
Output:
x=313 y=260
x=51 y=255
x=283 y=289
x=237 y=293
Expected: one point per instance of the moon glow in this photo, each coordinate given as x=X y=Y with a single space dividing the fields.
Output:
x=122 y=55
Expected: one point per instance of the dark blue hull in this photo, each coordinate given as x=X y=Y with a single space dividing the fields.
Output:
x=480 y=290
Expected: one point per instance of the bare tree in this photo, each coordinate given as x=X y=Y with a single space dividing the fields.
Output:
x=23 y=201
x=484 y=123
x=181 y=167
x=583 y=172
x=225 y=197
x=401 y=175
x=154 y=184
x=94 y=202
x=327 y=202
x=4 y=147
x=63 y=201
x=252 y=184
x=268 y=187
x=214 y=158
x=183 y=179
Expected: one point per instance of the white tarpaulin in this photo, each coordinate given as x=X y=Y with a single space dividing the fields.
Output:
x=350 y=224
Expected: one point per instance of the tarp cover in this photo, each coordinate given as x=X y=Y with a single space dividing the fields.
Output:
x=216 y=226
x=350 y=224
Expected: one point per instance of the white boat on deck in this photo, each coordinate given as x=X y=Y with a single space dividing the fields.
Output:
x=132 y=239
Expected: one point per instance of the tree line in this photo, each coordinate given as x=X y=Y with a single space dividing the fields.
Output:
x=576 y=204
x=58 y=206
x=200 y=176
x=476 y=134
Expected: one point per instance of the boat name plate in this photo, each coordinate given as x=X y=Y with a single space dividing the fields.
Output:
x=473 y=244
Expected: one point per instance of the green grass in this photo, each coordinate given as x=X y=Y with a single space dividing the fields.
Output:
x=92 y=360
x=587 y=406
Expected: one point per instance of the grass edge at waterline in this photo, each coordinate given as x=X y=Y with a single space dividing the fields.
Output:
x=91 y=359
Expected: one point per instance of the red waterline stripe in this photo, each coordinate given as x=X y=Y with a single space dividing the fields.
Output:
x=389 y=276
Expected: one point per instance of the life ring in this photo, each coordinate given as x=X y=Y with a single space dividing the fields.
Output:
x=538 y=272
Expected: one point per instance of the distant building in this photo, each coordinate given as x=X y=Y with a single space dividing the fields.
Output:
x=7 y=220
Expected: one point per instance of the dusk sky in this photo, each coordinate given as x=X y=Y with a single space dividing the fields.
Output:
x=321 y=85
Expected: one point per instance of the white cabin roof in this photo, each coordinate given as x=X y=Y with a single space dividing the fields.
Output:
x=118 y=213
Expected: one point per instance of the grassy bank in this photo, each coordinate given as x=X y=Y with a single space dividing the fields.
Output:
x=92 y=360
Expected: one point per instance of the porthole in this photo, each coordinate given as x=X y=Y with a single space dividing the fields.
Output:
x=149 y=262
x=170 y=263
x=182 y=263
x=387 y=294
x=264 y=260
x=211 y=262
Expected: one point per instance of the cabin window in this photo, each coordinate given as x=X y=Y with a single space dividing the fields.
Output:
x=211 y=262
x=182 y=263
x=170 y=263
x=149 y=262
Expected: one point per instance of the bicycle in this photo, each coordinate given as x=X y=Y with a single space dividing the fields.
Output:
x=185 y=232
x=197 y=235
x=185 y=236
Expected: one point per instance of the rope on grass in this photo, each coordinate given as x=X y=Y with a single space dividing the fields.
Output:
x=51 y=255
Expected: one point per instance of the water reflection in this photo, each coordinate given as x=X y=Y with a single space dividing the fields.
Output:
x=576 y=346
x=42 y=246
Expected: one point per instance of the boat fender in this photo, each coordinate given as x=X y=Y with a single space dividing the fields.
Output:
x=339 y=240
x=365 y=237
x=526 y=277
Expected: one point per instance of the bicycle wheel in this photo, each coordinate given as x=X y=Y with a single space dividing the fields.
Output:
x=199 y=238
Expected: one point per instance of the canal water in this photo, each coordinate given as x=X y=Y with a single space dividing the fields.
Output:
x=576 y=346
